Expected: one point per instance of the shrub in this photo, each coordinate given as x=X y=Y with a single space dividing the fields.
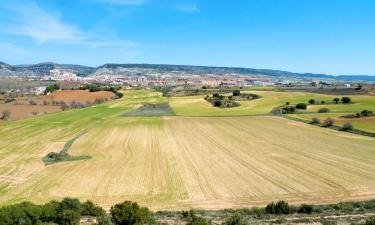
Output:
x=347 y=127
x=346 y=100
x=287 y=103
x=315 y=121
x=307 y=209
x=322 y=102
x=366 y=113
x=329 y=122
x=288 y=110
x=323 y=110
x=119 y=94
x=198 y=221
x=234 y=220
x=217 y=103
x=129 y=213
x=370 y=221
x=68 y=217
x=312 y=101
x=336 y=100
x=281 y=207
x=5 y=115
x=236 y=93
x=216 y=95
x=301 y=106
x=88 y=208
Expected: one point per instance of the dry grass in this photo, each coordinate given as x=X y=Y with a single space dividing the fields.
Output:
x=77 y=96
x=211 y=163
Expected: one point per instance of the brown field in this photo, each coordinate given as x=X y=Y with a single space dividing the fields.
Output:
x=77 y=96
x=25 y=111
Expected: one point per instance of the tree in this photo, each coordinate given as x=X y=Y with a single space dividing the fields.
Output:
x=312 y=101
x=215 y=95
x=5 y=115
x=88 y=208
x=236 y=93
x=301 y=106
x=198 y=221
x=346 y=100
x=68 y=217
x=370 y=221
x=129 y=213
x=329 y=122
x=336 y=100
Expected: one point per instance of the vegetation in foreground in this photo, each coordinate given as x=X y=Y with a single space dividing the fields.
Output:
x=71 y=211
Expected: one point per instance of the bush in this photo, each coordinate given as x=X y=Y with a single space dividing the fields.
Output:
x=5 y=115
x=216 y=95
x=281 y=207
x=301 y=106
x=88 y=208
x=336 y=100
x=236 y=93
x=347 y=127
x=288 y=110
x=346 y=100
x=119 y=94
x=307 y=209
x=129 y=213
x=323 y=110
x=370 y=221
x=329 y=122
x=198 y=221
x=315 y=121
x=234 y=220
x=68 y=217
x=312 y=101
x=366 y=113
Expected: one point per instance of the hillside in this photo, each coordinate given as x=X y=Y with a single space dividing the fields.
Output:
x=42 y=69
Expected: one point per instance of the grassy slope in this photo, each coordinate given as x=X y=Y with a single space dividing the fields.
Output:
x=232 y=162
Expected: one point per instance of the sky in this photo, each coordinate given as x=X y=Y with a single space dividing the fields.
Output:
x=317 y=36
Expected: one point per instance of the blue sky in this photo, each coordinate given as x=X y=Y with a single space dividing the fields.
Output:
x=320 y=36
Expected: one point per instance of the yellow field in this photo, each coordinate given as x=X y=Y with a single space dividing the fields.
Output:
x=203 y=162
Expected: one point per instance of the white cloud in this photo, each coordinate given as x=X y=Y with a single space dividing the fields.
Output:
x=30 y=20
x=122 y=2
x=185 y=7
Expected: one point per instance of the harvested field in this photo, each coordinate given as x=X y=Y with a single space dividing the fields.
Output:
x=25 y=111
x=77 y=96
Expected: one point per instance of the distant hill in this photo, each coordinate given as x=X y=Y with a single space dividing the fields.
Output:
x=42 y=69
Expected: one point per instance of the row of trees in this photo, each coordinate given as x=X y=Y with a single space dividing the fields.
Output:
x=336 y=100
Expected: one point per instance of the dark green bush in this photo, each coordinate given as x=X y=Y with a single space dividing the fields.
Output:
x=346 y=100
x=198 y=221
x=129 y=213
x=301 y=106
x=323 y=110
x=307 y=209
x=234 y=220
x=281 y=207
x=312 y=101
x=347 y=127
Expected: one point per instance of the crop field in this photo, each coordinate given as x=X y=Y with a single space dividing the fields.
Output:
x=188 y=160
x=25 y=111
x=77 y=96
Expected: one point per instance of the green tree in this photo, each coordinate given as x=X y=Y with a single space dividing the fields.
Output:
x=336 y=100
x=129 y=213
x=68 y=217
x=346 y=100
x=312 y=101
x=301 y=106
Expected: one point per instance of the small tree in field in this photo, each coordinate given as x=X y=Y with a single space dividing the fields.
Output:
x=5 y=115
x=312 y=101
x=336 y=100
x=346 y=100
x=129 y=213
x=323 y=110
x=301 y=106
x=329 y=122
x=236 y=93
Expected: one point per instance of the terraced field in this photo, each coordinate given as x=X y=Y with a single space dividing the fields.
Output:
x=174 y=162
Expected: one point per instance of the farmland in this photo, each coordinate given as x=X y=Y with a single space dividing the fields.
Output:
x=194 y=159
x=77 y=96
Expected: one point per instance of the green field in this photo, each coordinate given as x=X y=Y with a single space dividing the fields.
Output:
x=203 y=157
